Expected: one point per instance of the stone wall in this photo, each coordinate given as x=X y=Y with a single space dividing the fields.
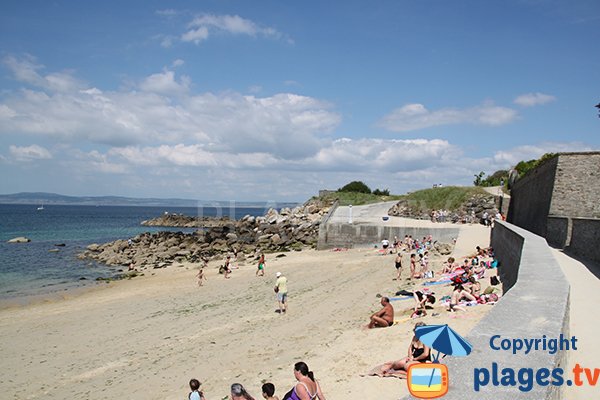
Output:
x=585 y=239
x=577 y=186
x=531 y=196
x=346 y=235
x=536 y=304
x=558 y=232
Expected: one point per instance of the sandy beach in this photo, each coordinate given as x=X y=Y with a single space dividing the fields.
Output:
x=145 y=338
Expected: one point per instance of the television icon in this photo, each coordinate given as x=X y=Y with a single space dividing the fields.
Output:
x=427 y=381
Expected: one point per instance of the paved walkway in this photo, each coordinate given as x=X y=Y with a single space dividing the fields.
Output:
x=372 y=214
x=583 y=321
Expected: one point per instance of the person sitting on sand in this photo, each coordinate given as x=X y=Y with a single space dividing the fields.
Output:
x=449 y=266
x=421 y=300
x=384 y=317
x=474 y=287
x=458 y=294
x=480 y=270
x=195 y=394
x=268 y=391
x=307 y=387
x=239 y=393
x=417 y=353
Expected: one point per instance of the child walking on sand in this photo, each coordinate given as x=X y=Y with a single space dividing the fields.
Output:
x=201 y=277
x=261 y=266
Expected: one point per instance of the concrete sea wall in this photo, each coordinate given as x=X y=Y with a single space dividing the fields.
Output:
x=535 y=303
x=346 y=235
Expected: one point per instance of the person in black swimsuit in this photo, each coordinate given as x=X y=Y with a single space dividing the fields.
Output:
x=417 y=353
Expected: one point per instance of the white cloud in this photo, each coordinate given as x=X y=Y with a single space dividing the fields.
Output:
x=386 y=156
x=162 y=109
x=416 y=116
x=29 y=153
x=509 y=158
x=533 y=99
x=26 y=70
x=177 y=63
x=201 y=27
x=165 y=83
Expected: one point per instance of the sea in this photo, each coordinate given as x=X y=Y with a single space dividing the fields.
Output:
x=40 y=268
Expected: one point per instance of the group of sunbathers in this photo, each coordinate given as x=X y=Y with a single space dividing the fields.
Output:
x=306 y=388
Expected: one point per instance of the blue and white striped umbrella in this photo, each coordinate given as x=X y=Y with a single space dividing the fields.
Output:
x=443 y=339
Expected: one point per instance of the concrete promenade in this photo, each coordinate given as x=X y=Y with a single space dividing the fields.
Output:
x=584 y=320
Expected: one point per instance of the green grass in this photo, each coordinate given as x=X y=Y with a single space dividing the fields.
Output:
x=358 y=199
x=449 y=197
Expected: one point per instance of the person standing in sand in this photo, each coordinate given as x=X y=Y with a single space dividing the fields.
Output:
x=398 y=263
x=201 y=277
x=227 y=267
x=413 y=266
x=281 y=290
x=261 y=266
x=384 y=317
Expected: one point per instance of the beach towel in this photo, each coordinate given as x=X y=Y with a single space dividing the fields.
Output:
x=376 y=371
x=437 y=282
x=400 y=298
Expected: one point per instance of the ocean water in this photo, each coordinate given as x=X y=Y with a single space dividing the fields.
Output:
x=31 y=269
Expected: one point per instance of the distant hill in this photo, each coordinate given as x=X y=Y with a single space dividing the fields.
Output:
x=40 y=198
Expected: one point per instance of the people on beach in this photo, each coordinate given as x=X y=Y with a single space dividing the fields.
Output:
x=268 y=391
x=458 y=294
x=238 y=392
x=385 y=244
x=421 y=300
x=282 y=292
x=424 y=261
x=195 y=394
x=227 y=267
x=417 y=353
x=413 y=267
x=261 y=266
x=384 y=317
x=201 y=277
x=398 y=264
x=307 y=388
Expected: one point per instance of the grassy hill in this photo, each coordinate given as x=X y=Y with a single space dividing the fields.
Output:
x=449 y=197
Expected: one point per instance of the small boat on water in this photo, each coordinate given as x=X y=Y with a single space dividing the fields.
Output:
x=41 y=208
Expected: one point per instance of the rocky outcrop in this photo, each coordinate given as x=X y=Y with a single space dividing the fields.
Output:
x=288 y=229
x=186 y=221
x=470 y=211
x=20 y=239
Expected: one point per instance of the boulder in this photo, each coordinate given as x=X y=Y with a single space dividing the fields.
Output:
x=20 y=239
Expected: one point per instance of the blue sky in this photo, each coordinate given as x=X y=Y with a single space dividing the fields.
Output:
x=273 y=100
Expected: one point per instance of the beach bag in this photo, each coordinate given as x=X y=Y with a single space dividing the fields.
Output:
x=459 y=279
x=494 y=280
x=404 y=292
x=276 y=289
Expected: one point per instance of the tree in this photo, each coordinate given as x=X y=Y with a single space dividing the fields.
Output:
x=355 y=186
x=384 y=192
x=478 y=178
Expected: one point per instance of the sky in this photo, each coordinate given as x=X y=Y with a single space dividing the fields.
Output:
x=273 y=100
